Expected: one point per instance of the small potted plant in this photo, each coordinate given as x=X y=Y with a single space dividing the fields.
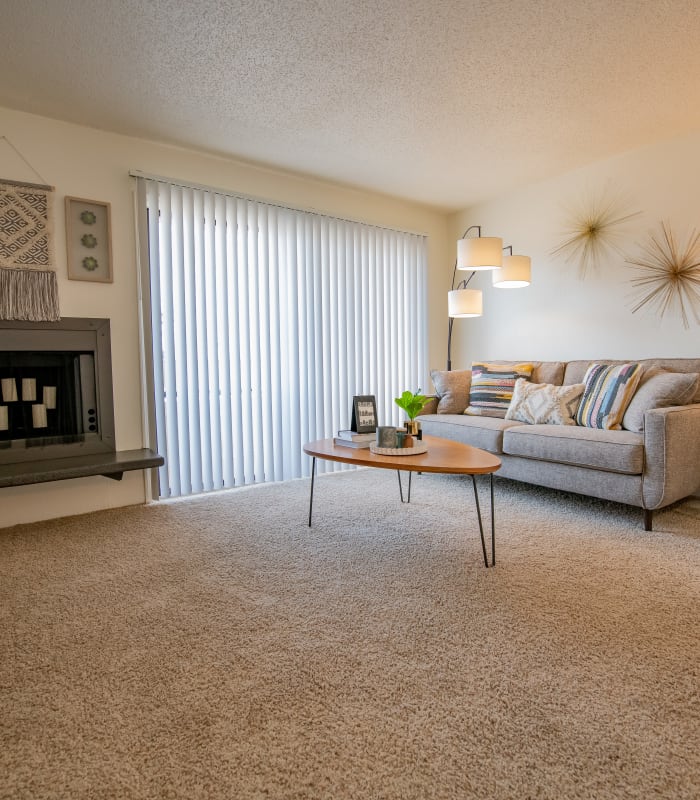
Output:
x=412 y=403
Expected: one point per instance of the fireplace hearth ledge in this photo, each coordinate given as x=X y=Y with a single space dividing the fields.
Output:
x=110 y=465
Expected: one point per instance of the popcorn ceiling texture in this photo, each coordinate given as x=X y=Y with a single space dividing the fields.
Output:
x=446 y=103
x=219 y=648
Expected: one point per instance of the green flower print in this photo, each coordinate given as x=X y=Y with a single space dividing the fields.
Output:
x=90 y=263
x=88 y=217
x=88 y=240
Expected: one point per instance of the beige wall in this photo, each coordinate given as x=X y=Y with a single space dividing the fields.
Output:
x=93 y=164
x=561 y=316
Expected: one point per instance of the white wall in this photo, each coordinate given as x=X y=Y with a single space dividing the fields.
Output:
x=93 y=164
x=560 y=316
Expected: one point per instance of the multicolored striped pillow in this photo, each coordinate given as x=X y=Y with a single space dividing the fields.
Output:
x=492 y=387
x=608 y=392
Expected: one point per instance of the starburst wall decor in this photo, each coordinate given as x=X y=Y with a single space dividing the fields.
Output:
x=593 y=232
x=670 y=275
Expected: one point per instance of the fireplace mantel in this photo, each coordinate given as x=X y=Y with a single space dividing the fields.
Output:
x=110 y=465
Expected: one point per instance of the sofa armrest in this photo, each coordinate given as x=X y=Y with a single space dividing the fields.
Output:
x=671 y=455
x=431 y=406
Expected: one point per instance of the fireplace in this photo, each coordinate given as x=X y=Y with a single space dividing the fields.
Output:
x=55 y=389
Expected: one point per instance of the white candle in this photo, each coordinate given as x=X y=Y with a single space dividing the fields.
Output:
x=50 y=396
x=9 y=390
x=39 y=415
x=4 y=422
x=28 y=389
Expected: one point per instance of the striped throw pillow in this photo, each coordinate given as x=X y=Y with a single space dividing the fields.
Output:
x=492 y=387
x=608 y=392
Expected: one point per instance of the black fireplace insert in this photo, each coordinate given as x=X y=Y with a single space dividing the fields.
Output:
x=55 y=389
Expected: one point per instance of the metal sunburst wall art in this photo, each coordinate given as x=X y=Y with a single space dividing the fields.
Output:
x=593 y=232
x=670 y=275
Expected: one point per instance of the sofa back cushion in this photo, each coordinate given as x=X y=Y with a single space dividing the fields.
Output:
x=548 y=372
x=575 y=370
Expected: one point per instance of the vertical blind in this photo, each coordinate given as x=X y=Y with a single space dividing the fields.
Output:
x=265 y=321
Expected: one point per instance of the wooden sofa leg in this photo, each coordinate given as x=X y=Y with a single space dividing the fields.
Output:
x=648 y=513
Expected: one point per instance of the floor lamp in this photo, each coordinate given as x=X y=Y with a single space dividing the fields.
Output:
x=478 y=253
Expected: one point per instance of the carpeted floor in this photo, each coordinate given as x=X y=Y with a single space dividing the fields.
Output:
x=218 y=648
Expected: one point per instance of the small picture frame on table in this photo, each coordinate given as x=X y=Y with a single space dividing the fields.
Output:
x=364 y=413
x=88 y=240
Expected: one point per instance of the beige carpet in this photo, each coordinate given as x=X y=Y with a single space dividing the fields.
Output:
x=218 y=648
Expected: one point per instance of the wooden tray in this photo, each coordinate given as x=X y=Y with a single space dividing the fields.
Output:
x=416 y=450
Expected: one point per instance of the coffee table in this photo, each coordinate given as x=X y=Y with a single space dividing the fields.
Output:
x=443 y=456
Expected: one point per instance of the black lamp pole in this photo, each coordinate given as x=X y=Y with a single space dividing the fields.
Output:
x=462 y=285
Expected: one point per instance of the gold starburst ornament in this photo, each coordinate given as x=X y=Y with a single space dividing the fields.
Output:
x=670 y=275
x=593 y=233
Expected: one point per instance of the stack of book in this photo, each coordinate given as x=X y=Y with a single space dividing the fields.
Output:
x=354 y=439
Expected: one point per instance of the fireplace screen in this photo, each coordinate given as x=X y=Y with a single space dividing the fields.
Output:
x=47 y=395
x=55 y=389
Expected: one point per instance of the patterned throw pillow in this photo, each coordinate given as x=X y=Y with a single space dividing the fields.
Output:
x=544 y=403
x=452 y=388
x=492 y=387
x=608 y=392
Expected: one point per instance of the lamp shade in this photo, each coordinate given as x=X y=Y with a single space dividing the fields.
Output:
x=479 y=252
x=514 y=274
x=465 y=303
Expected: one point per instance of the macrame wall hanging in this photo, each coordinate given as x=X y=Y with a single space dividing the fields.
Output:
x=28 y=285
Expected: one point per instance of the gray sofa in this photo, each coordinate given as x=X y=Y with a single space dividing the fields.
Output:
x=651 y=468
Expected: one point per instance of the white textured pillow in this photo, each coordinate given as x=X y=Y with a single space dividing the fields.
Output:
x=544 y=403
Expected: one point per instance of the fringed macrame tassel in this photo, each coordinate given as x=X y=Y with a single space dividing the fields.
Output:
x=29 y=294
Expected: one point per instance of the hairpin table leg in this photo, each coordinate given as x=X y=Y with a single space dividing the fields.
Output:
x=481 y=527
x=408 y=497
x=493 y=526
x=311 y=498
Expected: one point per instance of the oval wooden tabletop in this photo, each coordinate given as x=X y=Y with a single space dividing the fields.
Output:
x=443 y=455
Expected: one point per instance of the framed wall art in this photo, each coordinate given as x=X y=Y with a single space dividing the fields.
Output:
x=88 y=240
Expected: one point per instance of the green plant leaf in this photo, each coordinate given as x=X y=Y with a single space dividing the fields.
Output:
x=411 y=402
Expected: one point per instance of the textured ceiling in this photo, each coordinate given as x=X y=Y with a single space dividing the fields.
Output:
x=445 y=103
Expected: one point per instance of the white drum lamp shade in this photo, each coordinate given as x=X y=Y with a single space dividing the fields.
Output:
x=514 y=274
x=465 y=303
x=479 y=252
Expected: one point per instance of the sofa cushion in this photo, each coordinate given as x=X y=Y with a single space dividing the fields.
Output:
x=612 y=451
x=492 y=387
x=452 y=387
x=608 y=392
x=575 y=370
x=483 y=432
x=548 y=372
x=544 y=403
x=659 y=389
